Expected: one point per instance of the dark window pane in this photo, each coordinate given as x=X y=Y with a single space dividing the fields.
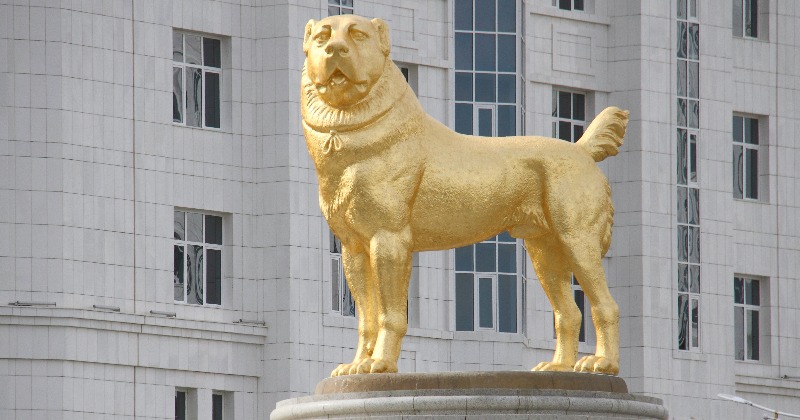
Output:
x=506 y=53
x=578 y=5
x=577 y=132
x=335 y=284
x=180 y=230
x=216 y=407
x=214 y=277
x=180 y=405
x=693 y=90
x=177 y=47
x=564 y=131
x=694 y=114
x=178 y=274
x=404 y=70
x=752 y=292
x=335 y=245
x=507 y=304
x=694 y=278
x=694 y=206
x=683 y=205
x=681 y=77
x=485 y=124
x=194 y=98
x=565 y=4
x=485 y=87
x=463 y=86
x=682 y=33
x=465 y=302
x=506 y=16
x=683 y=278
x=681 y=112
x=694 y=244
x=193 y=49
x=177 y=94
x=565 y=104
x=738 y=171
x=464 y=51
x=751 y=18
x=506 y=88
x=752 y=173
x=194 y=227
x=683 y=243
x=194 y=274
x=213 y=229
x=463 y=18
x=738 y=290
x=578 y=107
x=695 y=323
x=506 y=237
x=506 y=121
x=682 y=158
x=693 y=41
x=464 y=118
x=484 y=15
x=692 y=158
x=738 y=135
x=211 y=52
x=683 y=322
x=752 y=335
x=485 y=301
x=485 y=52
x=581 y=302
x=738 y=332
x=212 y=100
x=751 y=130
x=737 y=20
x=464 y=259
x=507 y=258
x=485 y=259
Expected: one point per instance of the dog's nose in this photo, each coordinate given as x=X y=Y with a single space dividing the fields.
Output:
x=337 y=46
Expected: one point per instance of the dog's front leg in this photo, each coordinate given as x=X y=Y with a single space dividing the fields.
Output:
x=390 y=256
x=360 y=279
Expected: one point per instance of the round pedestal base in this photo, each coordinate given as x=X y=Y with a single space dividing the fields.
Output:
x=472 y=395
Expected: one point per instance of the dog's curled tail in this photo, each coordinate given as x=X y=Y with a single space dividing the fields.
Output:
x=604 y=135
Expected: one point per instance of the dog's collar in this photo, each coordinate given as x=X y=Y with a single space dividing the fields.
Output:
x=333 y=143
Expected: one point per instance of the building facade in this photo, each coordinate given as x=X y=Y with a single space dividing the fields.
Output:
x=94 y=175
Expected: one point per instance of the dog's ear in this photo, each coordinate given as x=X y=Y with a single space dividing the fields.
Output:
x=307 y=36
x=383 y=32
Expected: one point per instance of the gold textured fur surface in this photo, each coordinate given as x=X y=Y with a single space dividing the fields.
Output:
x=393 y=181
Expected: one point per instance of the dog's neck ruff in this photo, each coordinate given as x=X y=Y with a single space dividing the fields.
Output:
x=323 y=118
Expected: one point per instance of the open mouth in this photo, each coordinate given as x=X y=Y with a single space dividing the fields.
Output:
x=337 y=79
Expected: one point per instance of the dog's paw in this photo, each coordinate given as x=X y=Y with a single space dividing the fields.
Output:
x=597 y=364
x=375 y=366
x=344 y=369
x=552 y=367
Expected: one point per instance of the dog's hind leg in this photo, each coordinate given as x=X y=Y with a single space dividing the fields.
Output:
x=357 y=270
x=551 y=268
x=585 y=254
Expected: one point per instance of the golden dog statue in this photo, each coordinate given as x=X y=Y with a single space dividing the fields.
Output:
x=393 y=180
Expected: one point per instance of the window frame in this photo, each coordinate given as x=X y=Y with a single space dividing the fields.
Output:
x=185 y=243
x=340 y=8
x=760 y=151
x=746 y=308
x=204 y=69
x=740 y=29
x=573 y=122
x=342 y=287
x=572 y=5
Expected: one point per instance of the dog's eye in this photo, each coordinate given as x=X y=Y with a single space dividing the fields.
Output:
x=358 y=35
x=322 y=37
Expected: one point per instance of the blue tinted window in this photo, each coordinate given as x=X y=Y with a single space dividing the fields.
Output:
x=463 y=9
x=484 y=87
x=485 y=52
x=506 y=53
x=463 y=51
x=485 y=15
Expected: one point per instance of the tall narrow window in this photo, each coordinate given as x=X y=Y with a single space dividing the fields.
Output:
x=745 y=158
x=580 y=300
x=196 y=71
x=340 y=7
x=569 y=110
x=341 y=299
x=745 y=17
x=216 y=407
x=687 y=180
x=746 y=311
x=198 y=258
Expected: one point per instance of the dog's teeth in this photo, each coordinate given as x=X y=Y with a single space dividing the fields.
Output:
x=322 y=89
x=361 y=87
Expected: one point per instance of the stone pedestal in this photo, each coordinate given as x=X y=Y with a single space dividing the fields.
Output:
x=472 y=395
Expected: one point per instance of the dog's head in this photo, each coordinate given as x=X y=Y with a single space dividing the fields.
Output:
x=345 y=57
